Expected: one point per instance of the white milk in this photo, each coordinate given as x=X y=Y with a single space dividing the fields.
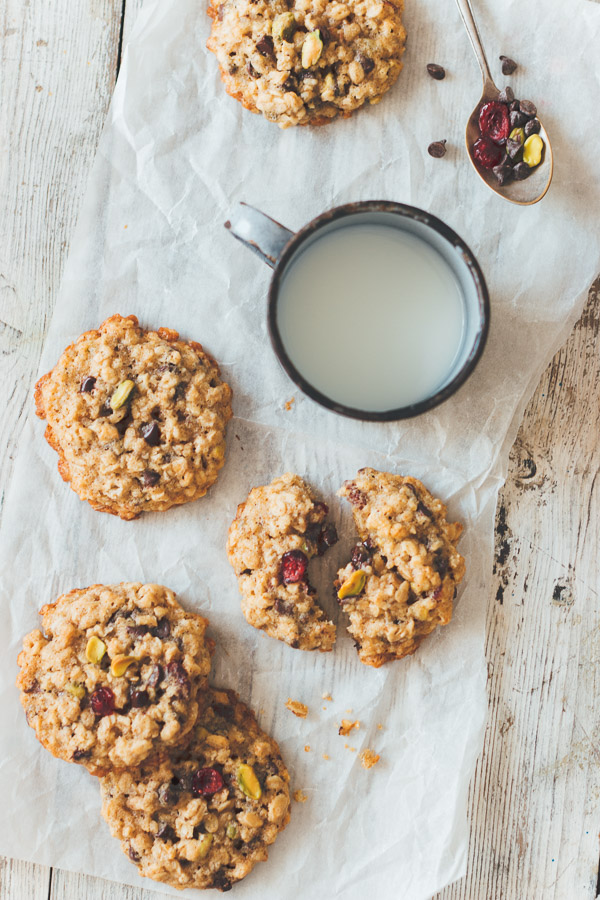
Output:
x=372 y=317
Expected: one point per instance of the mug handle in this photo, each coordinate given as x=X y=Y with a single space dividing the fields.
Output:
x=259 y=232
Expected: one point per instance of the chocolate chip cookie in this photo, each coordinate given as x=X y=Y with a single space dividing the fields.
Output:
x=117 y=674
x=273 y=536
x=205 y=816
x=307 y=61
x=137 y=417
x=402 y=578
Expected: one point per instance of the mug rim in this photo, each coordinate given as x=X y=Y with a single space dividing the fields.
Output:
x=405 y=211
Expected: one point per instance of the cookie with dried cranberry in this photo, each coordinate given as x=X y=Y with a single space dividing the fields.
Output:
x=116 y=674
x=402 y=577
x=274 y=534
x=204 y=816
x=305 y=62
x=137 y=417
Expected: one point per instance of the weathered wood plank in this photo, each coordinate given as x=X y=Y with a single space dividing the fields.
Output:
x=534 y=799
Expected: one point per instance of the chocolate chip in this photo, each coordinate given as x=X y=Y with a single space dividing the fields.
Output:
x=424 y=510
x=138 y=698
x=166 y=833
x=282 y=608
x=155 y=676
x=513 y=147
x=528 y=108
x=224 y=711
x=437 y=72
x=180 y=390
x=221 y=881
x=517 y=119
x=124 y=424
x=532 y=127
x=265 y=45
x=437 y=149
x=80 y=754
x=508 y=65
x=151 y=434
x=361 y=556
x=87 y=385
x=506 y=96
x=521 y=171
x=137 y=631
x=328 y=536
x=105 y=410
x=441 y=563
x=325 y=36
x=150 y=478
x=177 y=674
x=162 y=629
x=291 y=85
x=514 y=105
x=133 y=855
x=168 y=794
x=366 y=62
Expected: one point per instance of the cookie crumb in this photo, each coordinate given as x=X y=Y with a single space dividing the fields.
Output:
x=379 y=726
x=288 y=403
x=368 y=759
x=307 y=748
x=299 y=709
x=327 y=697
x=347 y=726
x=300 y=796
x=325 y=756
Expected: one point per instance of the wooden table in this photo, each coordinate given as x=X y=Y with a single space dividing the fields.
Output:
x=535 y=796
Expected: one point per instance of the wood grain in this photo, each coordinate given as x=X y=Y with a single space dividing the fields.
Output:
x=534 y=827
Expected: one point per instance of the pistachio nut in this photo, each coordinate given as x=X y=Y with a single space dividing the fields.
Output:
x=284 y=26
x=248 y=782
x=120 y=664
x=95 y=650
x=517 y=134
x=532 y=150
x=205 y=843
x=353 y=585
x=232 y=831
x=121 y=395
x=311 y=49
x=77 y=690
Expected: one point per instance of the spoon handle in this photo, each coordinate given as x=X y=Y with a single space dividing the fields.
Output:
x=466 y=13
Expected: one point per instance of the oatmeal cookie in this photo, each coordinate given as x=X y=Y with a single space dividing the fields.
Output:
x=116 y=674
x=205 y=816
x=137 y=417
x=303 y=62
x=273 y=536
x=401 y=581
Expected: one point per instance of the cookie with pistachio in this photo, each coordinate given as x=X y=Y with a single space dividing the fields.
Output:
x=137 y=417
x=401 y=581
x=204 y=816
x=116 y=674
x=305 y=62
x=274 y=534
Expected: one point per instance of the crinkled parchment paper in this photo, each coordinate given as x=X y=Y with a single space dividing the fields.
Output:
x=176 y=155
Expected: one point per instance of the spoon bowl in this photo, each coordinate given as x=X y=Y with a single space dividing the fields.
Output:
x=531 y=189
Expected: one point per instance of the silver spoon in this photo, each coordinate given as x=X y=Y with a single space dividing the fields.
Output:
x=533 y=188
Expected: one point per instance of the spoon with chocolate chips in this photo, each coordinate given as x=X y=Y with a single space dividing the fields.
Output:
x=506 y=141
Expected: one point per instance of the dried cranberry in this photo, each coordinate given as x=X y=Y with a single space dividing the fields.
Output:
x=265 y=45
x=357 y=498
x=294 y=564
x=206 y=782
x=151 y=434
x=361 y=556
x=138 y=698
x=102 y=701
x=487 y=154
x=87 y=385
x=493 y=121
x=176 y=673
x=150 y=478
x=328 y=536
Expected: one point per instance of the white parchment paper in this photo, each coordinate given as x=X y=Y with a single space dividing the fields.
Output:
x=176 y=154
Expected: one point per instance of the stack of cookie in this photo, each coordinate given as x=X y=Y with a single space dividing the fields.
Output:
x=117 y=681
